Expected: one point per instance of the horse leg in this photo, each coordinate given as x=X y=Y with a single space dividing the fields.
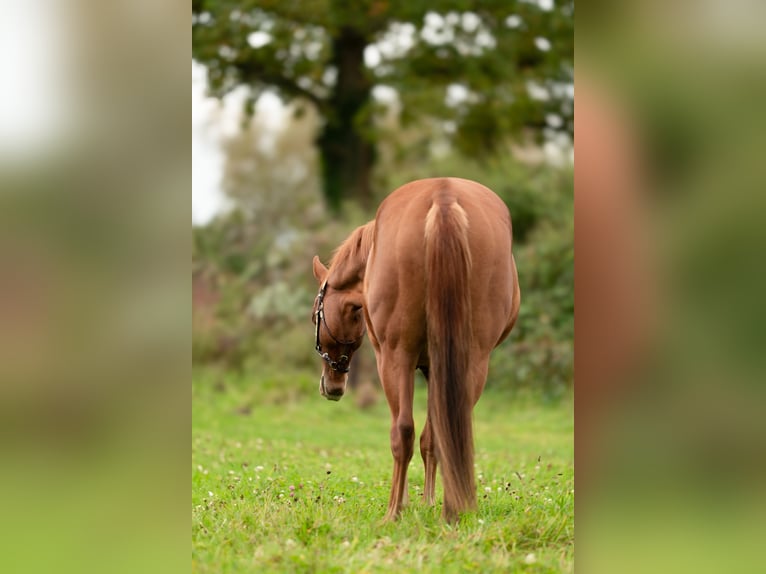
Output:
x=477 y=376
x=429 y=456
x=429 y=461
x=397 y=377
x=515 y=304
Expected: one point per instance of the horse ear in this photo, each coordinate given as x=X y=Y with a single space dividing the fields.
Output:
x=320 y=271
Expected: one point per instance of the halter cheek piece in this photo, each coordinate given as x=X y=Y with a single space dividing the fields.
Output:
x=342 y=364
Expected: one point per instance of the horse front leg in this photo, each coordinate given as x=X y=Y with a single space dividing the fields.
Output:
x=398 y=383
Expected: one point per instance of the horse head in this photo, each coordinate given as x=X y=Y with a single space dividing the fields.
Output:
x=339 y=330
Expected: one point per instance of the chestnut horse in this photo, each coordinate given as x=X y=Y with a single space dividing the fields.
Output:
x=433 y=282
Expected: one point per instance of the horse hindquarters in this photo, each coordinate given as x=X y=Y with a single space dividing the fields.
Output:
x=448 y=315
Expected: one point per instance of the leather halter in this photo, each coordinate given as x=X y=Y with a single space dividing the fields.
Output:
x=342 y=364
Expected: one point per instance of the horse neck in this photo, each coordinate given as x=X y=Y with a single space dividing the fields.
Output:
x=350 y=260
x=347 y=275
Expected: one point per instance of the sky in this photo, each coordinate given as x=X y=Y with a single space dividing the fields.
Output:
x=207 y=161
x=32 y=101
x=211 y=120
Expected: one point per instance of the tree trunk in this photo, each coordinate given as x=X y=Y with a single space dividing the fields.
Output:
x=347 y=153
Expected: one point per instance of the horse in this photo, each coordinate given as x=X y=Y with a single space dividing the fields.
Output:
x=433 y=283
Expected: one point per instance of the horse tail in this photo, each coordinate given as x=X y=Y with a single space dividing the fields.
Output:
x=448 y=315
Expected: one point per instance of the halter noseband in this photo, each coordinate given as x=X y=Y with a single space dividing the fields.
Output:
x=342 y=364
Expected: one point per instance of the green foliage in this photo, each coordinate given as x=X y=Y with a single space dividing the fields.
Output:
x=541 y=351
x=253 y=290
x=433 y=45
x=475 y=73
x=303 y=485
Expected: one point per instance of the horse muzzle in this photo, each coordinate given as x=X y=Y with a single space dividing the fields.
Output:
x=332 y=390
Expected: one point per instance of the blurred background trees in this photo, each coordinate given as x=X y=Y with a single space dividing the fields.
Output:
x=374 y=94
x=474 y=71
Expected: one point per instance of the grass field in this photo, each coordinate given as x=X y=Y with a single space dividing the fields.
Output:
x=301 y=485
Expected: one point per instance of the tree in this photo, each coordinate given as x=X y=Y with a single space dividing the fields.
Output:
x=483 y=70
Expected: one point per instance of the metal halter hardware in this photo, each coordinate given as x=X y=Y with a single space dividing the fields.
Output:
x=342 y=364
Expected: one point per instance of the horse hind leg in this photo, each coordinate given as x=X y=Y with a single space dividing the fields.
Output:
x=429 y=461
x=402 y=443
x=428 y=454
x=398 y=384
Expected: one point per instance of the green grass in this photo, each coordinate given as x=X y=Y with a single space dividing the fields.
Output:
x=302 y=486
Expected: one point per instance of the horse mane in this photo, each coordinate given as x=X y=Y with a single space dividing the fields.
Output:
x=350 y=258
